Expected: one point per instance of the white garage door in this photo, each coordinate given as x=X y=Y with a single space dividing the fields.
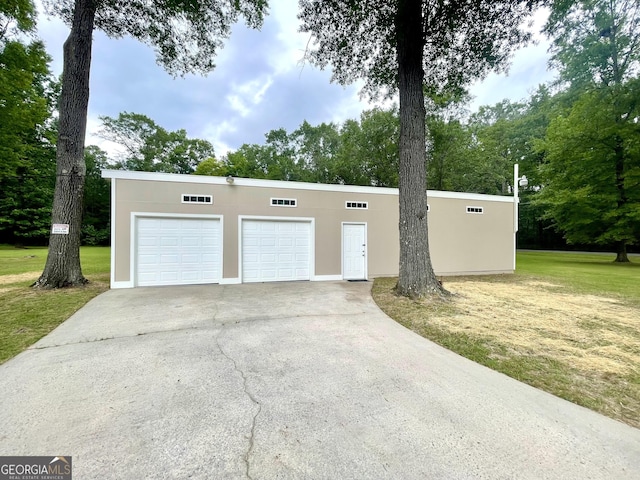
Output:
x=175 y=251
x=275 y=251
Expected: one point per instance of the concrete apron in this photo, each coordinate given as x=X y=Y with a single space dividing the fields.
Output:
x=288 y=381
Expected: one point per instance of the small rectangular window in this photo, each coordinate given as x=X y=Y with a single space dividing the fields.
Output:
x=283 y=202
x=428 y=207
x=357 y=205
x=476 y=210
x=202 y=199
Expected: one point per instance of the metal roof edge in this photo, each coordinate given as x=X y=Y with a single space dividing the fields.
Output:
x=263 y=183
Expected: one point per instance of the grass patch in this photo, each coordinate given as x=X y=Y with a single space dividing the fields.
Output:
x=547 y=327
x=18 y=261
x=582 y=272
x=27 y=314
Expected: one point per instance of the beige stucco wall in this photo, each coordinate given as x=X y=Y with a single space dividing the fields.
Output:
x=470 y=243
x=459 y=242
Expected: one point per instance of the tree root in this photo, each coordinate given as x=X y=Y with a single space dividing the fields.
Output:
x=44 y=284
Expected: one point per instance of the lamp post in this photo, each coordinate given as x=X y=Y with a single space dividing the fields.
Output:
x=518 y=181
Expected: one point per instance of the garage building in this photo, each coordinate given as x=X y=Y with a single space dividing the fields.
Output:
x=170 y=229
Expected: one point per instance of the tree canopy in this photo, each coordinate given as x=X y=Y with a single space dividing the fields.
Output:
x=28 y=95
x=186 y=35
x=410 y=46
x=359 y=152
x=16 y=16
x=151 y=148
x=592 y=173
x=461 y=41
x=595 y=41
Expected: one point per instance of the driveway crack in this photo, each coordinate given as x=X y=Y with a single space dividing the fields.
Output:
x=247 y=455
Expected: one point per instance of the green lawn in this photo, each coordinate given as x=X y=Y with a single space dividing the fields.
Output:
x=27 y=314
x=583 y=272
x=13 y=261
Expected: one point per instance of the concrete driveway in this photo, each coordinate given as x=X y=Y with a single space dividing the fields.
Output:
x=287 y=381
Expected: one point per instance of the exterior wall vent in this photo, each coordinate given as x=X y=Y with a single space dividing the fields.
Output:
x=202 y=199
x=284 y=202
x=357 y=205
x=476 y=210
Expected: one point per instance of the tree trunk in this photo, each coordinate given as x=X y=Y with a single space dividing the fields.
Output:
x=416 y=277
x=63 y=261
x=621 y=248
x=621 y=252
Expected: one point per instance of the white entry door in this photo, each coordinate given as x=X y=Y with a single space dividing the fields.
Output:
x=354 y=251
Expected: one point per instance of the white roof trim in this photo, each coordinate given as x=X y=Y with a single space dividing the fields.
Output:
x=254 y=182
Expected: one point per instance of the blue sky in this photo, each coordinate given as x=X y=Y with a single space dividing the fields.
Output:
x=259 y=83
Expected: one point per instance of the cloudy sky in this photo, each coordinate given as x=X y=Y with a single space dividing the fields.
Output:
x=259 y=83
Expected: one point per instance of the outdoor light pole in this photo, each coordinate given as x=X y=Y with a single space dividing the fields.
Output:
x=518 y=181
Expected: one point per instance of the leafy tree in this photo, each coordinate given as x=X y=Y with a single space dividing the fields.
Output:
x=378 y=147
x=595 y=41
x=358 y=153
x=249 y=161
x=592 y=174
x=151 y=148
x=501 y=135
x=316 y=149
x=278 y=158
x=351 y=162
x=16 y=16
x=186 y=36
x=25 y=202
x=27 y=100
x=274 y=161
x=453 y=162
x=24 y=80
x=213 y=167
x=405 y=46
x=24 y=107
x=96 y=211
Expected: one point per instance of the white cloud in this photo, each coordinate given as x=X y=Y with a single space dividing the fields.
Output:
x=293 y=42
x=238 y=105
x=259 y=83
x=214 y=133
x=113 y=149
x=246 y=96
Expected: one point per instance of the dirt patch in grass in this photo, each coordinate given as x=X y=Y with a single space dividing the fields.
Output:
x=19 y=277
x=588 y=331
x=584 y=348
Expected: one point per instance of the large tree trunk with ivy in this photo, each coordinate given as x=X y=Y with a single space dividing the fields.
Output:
x=63 y=261
x=416 y=276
